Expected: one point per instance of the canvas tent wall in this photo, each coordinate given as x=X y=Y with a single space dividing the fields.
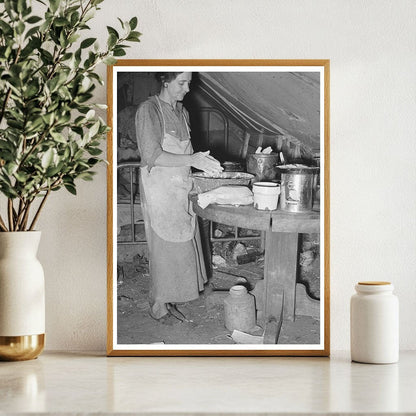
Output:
x=281 y=109
x=267 y=106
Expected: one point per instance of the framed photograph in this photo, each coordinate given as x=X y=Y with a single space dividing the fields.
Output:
x=218 y=208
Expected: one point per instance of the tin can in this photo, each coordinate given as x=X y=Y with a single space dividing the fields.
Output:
x=297 y=188
x=263 y=166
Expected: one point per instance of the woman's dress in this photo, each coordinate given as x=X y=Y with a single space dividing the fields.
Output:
x=176 y=260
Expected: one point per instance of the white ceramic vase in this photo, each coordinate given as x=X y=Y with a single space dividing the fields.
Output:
x=374 y=323
x=22 y=296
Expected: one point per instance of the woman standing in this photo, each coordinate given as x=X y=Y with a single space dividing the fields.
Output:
x=176 y=262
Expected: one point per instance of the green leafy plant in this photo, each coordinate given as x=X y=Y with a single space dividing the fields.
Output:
x=50 y=134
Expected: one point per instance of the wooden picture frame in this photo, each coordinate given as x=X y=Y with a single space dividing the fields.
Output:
x=281 y=103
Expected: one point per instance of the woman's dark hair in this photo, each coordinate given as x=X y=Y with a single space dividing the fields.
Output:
x=166 y=76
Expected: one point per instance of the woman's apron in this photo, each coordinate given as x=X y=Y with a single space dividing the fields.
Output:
x=166 y=191
x=176 y=257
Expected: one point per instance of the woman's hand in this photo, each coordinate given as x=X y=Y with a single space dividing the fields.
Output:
x=203 y=161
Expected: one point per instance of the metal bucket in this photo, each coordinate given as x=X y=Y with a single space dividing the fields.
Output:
x=297 y=188
x=263 y=166
x=266 y=195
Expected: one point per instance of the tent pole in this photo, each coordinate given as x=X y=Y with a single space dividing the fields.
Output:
x=244 y=148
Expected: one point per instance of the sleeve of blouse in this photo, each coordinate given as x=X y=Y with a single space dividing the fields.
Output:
x=149 y=132
x=187 y=119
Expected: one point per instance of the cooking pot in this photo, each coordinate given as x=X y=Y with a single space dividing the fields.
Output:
x=263 y=166
x=297 y=188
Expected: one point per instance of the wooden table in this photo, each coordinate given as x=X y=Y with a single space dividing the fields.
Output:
x=281 y=252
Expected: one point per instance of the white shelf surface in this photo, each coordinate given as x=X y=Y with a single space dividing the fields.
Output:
x=90 y=383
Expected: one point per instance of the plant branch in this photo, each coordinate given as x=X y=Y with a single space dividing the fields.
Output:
x=85 y=9
x=32 y=90
x=39 y=210
x=26 y=216
x=18 y=218
x=10 y=213
x=58 y=53
x=23 y=214
x=55 y=183
x=9 y=91
x=35 y=145
x=2 y=225
x=6 y=99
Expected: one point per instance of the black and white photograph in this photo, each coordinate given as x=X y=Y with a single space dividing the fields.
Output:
x=218 y=208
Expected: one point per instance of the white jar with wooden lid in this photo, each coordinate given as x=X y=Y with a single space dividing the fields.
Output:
x=374 y=323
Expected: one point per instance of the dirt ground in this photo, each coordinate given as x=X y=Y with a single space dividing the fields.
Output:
x=205 y=315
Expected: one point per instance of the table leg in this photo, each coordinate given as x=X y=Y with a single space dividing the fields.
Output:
x=280 y=265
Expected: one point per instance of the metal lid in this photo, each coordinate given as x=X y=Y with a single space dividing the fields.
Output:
x=264 y=155
x=298 y=169
x=374 y=283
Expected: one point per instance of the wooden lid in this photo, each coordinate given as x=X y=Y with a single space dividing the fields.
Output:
x=374 y=283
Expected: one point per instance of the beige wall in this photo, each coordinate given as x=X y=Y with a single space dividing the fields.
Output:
x=373 y=134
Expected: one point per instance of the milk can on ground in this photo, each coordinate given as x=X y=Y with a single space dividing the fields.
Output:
x=239 y=309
